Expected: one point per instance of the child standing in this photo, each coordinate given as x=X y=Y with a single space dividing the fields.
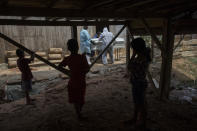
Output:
x=78 y=66
x=26 y=76
x=138 y=68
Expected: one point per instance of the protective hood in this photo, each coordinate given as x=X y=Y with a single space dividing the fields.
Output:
x=105 y=30
x=106 y=36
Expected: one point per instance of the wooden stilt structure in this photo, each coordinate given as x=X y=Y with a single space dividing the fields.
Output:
x=74 y=32
x=128 y=54
x=105 y=13
x=130 y=31
x=179 y=42
x=167 y=55
x=152 y=49
x=154 y=37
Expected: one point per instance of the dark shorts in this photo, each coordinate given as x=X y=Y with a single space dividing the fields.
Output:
x=26 y=85
x=138 y=92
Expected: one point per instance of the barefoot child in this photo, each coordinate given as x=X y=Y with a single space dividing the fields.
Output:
x=138 y=67
x=26 y=75
x=78 y=66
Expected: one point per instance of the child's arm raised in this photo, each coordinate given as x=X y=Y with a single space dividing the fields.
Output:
x=29 y=60
x=64 y=62
x=32 y=57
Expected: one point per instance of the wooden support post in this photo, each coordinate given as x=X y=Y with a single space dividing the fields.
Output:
x=103 y=23
x=153 y=84
x=130 y=31
x=167 y=56
x=128 y=54
x=154 y=37
x=152 y=49
x=119 y=53
x=65 y=71
x=108 y=46
x=74 y=32
x=179 y=43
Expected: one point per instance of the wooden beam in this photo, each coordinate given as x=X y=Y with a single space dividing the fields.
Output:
x=74 y=32
x=56 y=23
x=179 y=43
x=57 y=18
x=185 y=26
x=162 y=5
x=149 y=30
x=112 y=3
x=167 y=55
x=187 y=7
x=3 y=3
x=52 y=18
x=130 y=30
x=185 y=29
x=185 y=22
x=98 y=4
x=77 y=13
x=52 y=3
x=128 y=54
x=107 y=46
x=24 y=17
x=152 y=49
x=142 y=31
x=99 y=28
x=128 y=48
x=129 y=34
x=65 y=71
x=135 y=3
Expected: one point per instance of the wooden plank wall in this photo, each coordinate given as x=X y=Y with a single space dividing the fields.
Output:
x=41 y=38
x=188 y=47
x=35 y=38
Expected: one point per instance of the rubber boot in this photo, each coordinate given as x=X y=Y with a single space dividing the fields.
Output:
x=88 y=59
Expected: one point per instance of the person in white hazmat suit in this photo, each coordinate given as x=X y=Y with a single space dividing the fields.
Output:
x=85 y=43
x=106 y=37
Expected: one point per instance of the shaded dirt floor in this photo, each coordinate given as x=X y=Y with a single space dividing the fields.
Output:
x=108 y=105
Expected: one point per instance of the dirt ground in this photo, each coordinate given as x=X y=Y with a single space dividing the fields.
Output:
x=186 y=67
x=108 y=105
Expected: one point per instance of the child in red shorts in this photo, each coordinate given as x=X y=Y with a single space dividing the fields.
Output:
x=78 y=66
x=26 y=76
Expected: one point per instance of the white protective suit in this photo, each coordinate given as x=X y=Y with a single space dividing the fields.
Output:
x=106 y=37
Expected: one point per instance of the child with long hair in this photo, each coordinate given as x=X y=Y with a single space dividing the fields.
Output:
x=78 y=66
x=138 y=68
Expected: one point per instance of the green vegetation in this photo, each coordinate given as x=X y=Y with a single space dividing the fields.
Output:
x=190 y=66
x=193 y=60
